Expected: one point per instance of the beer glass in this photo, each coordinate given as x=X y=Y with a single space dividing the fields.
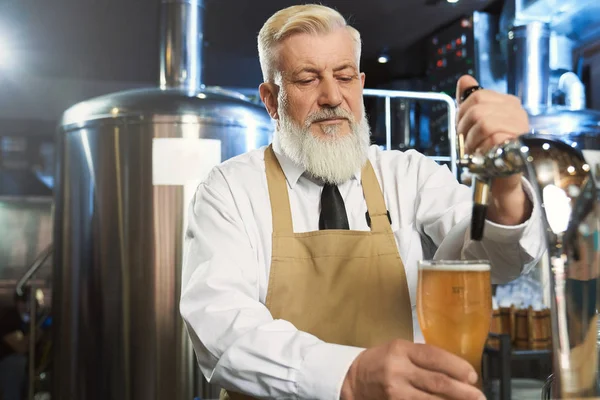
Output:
x=454 y=307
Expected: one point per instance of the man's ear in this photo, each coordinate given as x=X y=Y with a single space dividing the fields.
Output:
x=268 y=95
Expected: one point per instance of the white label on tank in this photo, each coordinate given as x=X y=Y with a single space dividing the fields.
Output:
x=592 y=157
x=179 y=161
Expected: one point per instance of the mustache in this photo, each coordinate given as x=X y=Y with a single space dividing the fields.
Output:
x=328 y=113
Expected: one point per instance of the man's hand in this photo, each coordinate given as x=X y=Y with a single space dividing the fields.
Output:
x=404 y=370
x=486 y=119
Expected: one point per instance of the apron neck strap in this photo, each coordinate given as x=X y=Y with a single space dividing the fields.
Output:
x=375 y=201
x=280 y=201
x=278 y=193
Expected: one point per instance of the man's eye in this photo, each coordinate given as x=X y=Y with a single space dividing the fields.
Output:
x=345 y=78
x=306 y=81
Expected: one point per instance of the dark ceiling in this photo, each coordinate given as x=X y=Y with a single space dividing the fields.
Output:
x=118 y=39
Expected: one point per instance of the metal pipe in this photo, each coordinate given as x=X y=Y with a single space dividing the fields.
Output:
x=431 y=96
x=37 y=263
x=529 y=65
x=181 y=40
x=388 y=124
x=32 y=340
x=573 y=89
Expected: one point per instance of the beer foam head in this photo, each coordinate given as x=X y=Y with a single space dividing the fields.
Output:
x=454 y=265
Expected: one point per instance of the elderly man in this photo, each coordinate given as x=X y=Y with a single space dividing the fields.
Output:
x=300 y=268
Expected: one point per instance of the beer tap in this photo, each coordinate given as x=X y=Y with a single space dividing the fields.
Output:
x=500 y=161
x=565 y=192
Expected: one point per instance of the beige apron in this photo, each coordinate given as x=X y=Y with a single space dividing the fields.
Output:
x=345 y=287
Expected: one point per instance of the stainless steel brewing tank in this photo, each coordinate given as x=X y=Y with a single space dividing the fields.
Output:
x=118 y=239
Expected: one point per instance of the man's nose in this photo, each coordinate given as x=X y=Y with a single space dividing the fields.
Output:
x=330 y=95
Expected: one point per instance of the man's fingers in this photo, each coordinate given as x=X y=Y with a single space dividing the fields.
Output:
x=483 y=97
x=440 y=384
x=464 y=82
x=438 y=360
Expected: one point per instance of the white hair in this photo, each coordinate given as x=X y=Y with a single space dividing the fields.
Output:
x=310 y=18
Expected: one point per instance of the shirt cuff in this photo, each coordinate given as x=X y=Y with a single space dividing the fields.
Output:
x=324 y=369
x=513 y=233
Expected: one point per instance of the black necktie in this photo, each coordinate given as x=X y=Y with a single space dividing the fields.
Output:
x=333 y=211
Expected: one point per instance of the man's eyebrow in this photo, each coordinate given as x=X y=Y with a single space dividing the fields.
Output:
x=314 y=70
x=343 y=67
x=308 y=69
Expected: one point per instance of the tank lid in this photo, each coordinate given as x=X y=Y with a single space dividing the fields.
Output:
x=210 y=105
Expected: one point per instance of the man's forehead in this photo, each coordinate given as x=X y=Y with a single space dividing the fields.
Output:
x=304 y=50
x=308 y=66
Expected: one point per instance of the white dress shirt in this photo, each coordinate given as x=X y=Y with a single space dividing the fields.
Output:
x=227 y=259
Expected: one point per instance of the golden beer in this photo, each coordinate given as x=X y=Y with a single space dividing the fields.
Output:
x=454 y=306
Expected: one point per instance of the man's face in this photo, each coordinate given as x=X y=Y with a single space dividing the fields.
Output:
x=317 y=102
x=321 y=86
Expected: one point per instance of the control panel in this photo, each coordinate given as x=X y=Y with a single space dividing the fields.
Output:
x=467 y=46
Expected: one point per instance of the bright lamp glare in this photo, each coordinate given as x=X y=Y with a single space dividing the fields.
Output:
x=452 y=1
x=383 y=59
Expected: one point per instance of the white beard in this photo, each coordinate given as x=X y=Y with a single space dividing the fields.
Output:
x=334 y=159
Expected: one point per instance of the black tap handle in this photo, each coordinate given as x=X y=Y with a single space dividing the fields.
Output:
x=480 y=188
x=478 y=221
x=481 y=194
x=469 y=91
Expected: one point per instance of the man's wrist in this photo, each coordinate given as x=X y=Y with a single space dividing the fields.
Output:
x=347 y=392
x=509 y=203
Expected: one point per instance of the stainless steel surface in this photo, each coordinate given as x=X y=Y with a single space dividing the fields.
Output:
x=118 y=244
x=119 y=232
x=574 y=124
x=181 y=43
x=575 y=19
x=528 y=73
x=32 y=341
x=33 y=313
x=565 y=186
x=578 y=19
x=490 y=67
x=573 y=90
x=498 y=162
x=31 y=271
x=403 y=94
x=547 y=388
x=388 y=123
x=404 y=114
x=25 y=231
x=239 y=125
x=561 y=52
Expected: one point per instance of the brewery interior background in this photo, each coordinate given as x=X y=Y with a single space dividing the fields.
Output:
x=56 y=206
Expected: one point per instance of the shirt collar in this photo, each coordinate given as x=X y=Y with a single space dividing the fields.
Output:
x=291 y=170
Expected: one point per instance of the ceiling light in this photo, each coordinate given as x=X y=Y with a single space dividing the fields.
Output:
x=384 y=56
x=452 y=1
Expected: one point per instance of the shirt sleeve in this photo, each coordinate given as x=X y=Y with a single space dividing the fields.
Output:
x=238 y=344
x=443 y=213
